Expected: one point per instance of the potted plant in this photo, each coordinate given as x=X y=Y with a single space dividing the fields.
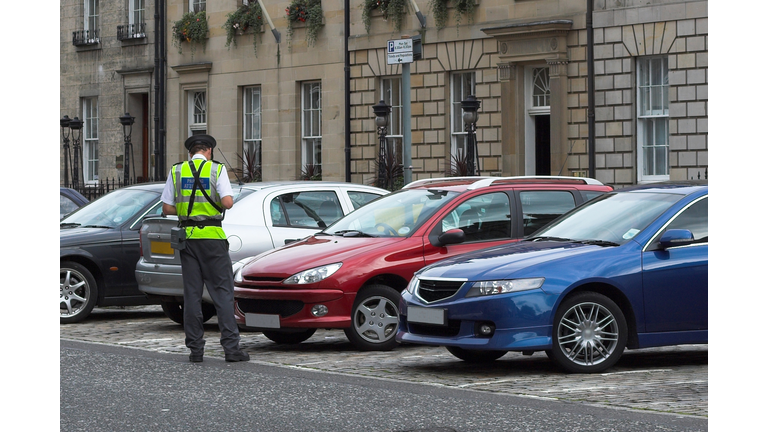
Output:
x=306 y=12
x=245 y=18
x=394 y=9
x=311 y=172
x=192 y=28
x=462 y=8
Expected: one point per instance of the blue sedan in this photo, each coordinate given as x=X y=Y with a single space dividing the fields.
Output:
x=626 y=270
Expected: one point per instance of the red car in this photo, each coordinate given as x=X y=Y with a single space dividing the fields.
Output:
x=350 y=275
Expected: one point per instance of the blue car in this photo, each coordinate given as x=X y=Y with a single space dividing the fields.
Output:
x=625 y=270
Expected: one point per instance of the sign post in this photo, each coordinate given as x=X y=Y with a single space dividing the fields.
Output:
x=403 y=52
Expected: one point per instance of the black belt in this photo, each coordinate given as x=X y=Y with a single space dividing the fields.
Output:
x=200 y=224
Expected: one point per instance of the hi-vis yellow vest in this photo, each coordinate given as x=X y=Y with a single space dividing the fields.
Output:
x=202 y=210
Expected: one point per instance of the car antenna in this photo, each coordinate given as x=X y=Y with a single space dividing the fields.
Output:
x=239 y=182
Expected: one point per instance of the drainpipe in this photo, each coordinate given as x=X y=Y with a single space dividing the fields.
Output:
x=591 y=90
x=347 y=110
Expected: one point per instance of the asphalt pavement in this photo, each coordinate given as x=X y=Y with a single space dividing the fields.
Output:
x=670 y=380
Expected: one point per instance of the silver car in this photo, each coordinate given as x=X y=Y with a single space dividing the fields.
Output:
x=265 y=215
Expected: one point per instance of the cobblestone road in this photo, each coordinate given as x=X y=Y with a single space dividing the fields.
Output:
x=669 y=380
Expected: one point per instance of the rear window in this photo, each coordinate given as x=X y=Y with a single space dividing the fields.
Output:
x=542 y=207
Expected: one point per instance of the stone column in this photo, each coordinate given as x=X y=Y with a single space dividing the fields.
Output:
x=512 y=154
x=558 y=120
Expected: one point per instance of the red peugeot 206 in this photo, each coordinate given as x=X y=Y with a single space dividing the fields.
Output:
x=350 y=275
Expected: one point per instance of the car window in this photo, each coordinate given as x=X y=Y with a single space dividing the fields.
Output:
x=695 y=219
x=542 y=207
x=395 y=215
x=113 y=209
x=588 y=195
x=360 y=199
x=309 y=209
x=484 y=217
x=66 y=206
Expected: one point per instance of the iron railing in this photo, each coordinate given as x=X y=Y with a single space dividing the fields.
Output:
x=131 y=31
x=85 y=37
x=94 y=190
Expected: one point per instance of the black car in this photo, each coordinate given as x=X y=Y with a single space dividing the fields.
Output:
x=69 y=201
x=99 y=248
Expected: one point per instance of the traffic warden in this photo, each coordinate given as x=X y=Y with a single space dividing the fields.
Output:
x=199 y=192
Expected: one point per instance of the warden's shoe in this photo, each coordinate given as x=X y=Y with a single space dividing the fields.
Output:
x=196 y=358
x=237 y=356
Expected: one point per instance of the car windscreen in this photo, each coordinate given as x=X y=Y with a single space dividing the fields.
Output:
x=394 y=215
x=614 y=218
x=113 y=209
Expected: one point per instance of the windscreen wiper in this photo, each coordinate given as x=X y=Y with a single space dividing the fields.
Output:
x=351 y=233
x=598 y=242
x=546 y=238
x=69 y=225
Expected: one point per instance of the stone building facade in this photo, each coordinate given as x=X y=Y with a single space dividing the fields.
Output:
x=107 y=65
x=525 y=60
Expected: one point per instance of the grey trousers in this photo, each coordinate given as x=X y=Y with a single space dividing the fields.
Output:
x=206 y=262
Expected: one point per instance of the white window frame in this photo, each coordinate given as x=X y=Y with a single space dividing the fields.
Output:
x=458 y=131
x=394 y=98
x=654 y=91
x=311 y=123
x=90 y=137
x=252 y=121
x=91 y=20
x=532 y=110
x=136 y=13
x=199 y=3
x=197 y=111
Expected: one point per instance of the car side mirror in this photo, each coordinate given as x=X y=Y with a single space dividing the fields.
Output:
x=452 y=236
x=675 y=237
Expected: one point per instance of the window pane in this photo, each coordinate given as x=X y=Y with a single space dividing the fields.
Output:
x=541 y=207
x=695 y=218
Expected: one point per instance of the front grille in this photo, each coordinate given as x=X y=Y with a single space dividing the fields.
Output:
x=284 y=308
x=434 y=290
x=263 y=279
x=452 y=329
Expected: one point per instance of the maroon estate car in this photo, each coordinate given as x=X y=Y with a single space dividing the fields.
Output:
x=350 y=275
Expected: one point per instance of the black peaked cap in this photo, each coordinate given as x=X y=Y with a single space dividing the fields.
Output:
x=205 y=140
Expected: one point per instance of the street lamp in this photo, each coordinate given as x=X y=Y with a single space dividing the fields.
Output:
x=76 y=125
x=382 y=110
x=127 y=122
x=64 y=123
x=470 y=105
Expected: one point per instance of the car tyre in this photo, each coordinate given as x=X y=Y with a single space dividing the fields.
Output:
x=589 y=333
x=475 y=356
x=175 y=311
x=289 y=337
x=374 y=319
x=77 y=292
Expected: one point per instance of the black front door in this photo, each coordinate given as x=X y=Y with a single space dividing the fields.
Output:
x=543 y=164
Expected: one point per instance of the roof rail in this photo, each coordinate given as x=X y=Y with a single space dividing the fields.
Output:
x=428 y=181
x=556 y=179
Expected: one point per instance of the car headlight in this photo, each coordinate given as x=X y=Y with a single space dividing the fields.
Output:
x=484 y=288
x=412 y=285
x=239 y=274
x=313 y=275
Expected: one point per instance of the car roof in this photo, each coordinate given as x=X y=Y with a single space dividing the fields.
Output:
x=153 y=186
x=682 y=187
x=476 y=182
x=291 y=183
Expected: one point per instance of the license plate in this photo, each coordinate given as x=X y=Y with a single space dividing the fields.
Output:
x=262 y=320
x=422 y=315
x=162 y=248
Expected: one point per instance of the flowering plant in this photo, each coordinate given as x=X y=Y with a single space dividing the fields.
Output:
x=462 y=8
x=309 y=12
x=394 y=9
x=246 y=17
x=192 y=28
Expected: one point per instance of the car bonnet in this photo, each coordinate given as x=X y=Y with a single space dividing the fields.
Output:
x=503 y=261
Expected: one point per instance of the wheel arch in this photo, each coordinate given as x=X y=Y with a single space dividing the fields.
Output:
x=618 y=297
x=391 y=280
x=92 y=267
